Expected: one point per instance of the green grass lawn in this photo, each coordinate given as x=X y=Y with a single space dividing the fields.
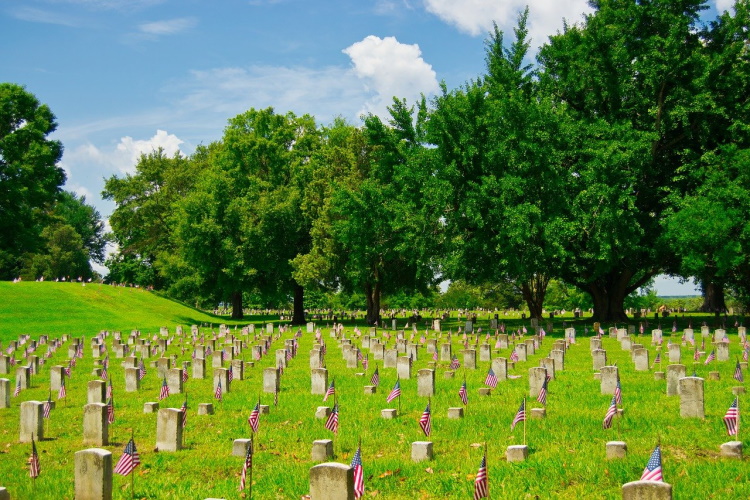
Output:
x=567 y=449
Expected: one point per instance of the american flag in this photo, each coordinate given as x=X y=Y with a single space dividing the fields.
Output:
x=375 y=380
x=34 y=467
x=184 y=409
x=434 y=355
x=618 y=392
x=455 y=365
x=254 y=417
x=491 y=379
x=47 y=406
x=732 y=418
x=365 y=361
x=359 y=476
x=110 y=411
x=611 y=412
x=520 y=415
x=164 y=392
x=109 y=389
x=745 y=354
x=425 y=421
x=738 y=373
x=657 y=359
x=463 y=394
x=18 y=388
x=184 y=375
x=276 y=397
x=248 y=465
x=710 y=357
x=230 y=374
x=696 y=355
x=61 y=393
x=129 y=460
x=395 y=392
x=331 y=390
x=332 y=424
x=141 y=369
x=652 y=472
x=217 y=394
x=481 y=489
x=542 y=398
x=514 y=356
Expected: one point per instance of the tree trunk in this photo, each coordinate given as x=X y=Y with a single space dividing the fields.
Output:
x=237 y=305
x=298 y=317
x=533 y=292
x=608 y=296
x=713 y=298
x=373 y=303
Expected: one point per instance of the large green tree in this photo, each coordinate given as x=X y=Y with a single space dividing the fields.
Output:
x=630 y=77
x=242 y=224
x=504 y=150
x=30 y=178
x=710 y=229
x=140 y=224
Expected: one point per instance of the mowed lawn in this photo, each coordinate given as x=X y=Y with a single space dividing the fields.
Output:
x=567 y=449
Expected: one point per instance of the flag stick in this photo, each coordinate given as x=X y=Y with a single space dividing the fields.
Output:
x=486 y=470
x=250 y=482
x=132 y=474
x=524 y=421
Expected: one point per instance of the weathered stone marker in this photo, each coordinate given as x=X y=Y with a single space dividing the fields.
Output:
x=403 y=367
x=646 y=490
x=500 y=367
x=421 y=450
x=322 y=450
x=674 y=374
x=96 y=391
x=331 y=481
x=732 y=449
x=537 y=376
x=32 y=423
x=470 y=359
x=616 y=449
x=318 y=381
x=609 y=377
x=640 y=358
x=222 y=375
x=95 y=425
x=455 y=413
x=517 y=453
x=174 y=380
x=691 y=397
x=132 y=382
x=426 y=383
x=4 y=393
x=169 y=429
x=271 y=380
x=599 y=357
x=93 y=474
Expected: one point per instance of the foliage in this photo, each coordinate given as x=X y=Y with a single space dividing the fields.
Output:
x=29 y=175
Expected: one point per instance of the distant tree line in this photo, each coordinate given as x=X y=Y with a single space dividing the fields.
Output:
x=621 y=153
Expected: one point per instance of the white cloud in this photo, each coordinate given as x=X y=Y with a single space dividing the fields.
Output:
x=121 y=159
x=475 y=17
x=167 y=27
x=391 y=69
x=222 y=93
x=722 y=5
x=34 y=15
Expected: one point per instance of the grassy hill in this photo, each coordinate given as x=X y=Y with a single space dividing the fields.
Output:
x=57 y=308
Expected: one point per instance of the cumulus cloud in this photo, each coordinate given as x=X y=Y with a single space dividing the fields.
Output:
x=120 y=159
x=390 y=69
x=475 y=17
x=167 y=27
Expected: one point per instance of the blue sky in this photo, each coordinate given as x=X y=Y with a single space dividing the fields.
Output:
x=126 y=76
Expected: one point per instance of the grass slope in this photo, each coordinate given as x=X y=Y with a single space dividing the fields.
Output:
x=54 y=308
